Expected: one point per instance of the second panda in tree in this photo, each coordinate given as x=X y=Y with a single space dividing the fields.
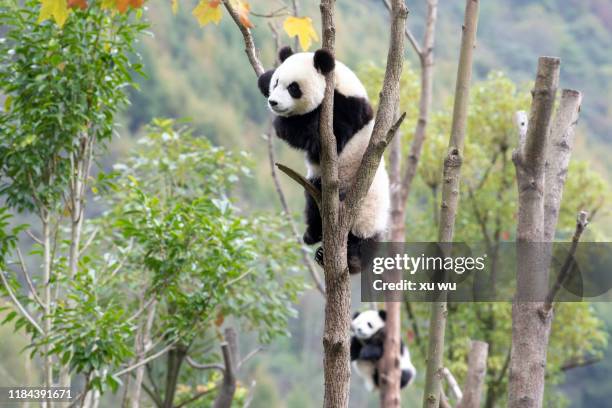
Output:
x=367 y=348
x=295 y=91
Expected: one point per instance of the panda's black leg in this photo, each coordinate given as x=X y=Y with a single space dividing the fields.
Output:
x=314 y=227
x=353 y=253
x=405 y=379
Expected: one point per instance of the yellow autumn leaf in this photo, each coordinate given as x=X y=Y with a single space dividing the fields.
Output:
x=208 y=11
x=243 y=9
x=302 y=27
x=175 y=6
x=108 y=4
x=55 y=9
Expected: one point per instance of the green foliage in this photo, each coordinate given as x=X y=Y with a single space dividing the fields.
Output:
x=59 y=84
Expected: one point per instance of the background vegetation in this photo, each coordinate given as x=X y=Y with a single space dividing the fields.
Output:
x=202 y=75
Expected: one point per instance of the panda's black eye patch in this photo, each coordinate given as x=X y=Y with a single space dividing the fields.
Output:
x=369 y=325
x=294 y=90
x=276 y=83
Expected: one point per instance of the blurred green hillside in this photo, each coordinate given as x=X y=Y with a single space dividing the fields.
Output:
x=202 y=73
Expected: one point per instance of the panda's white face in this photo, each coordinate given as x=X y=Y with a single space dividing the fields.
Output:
x=366 y=324
x=296 y=87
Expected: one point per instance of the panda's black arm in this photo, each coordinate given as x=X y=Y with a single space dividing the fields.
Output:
x=371 y=352
x=355 y=348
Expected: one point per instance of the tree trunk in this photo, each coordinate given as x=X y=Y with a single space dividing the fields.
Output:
x=142 y=340
x=529 y=328
x=174 y=361
x=477 y=369
x=450 y=199
x=230 y=357
x=541 y=167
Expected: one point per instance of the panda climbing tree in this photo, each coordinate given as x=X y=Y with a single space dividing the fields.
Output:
x=340 y=194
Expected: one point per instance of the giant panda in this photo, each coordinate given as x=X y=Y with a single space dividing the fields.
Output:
x=295 y=91
x=367 y=342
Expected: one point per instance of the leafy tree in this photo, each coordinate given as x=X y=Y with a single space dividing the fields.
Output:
x=63 y=88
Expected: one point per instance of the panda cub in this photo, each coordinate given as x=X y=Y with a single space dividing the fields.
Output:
x=295 y=91
x=367 y=348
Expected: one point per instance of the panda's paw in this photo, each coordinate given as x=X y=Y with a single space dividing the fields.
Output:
x=342 y=194
x=319 y=256
x=309 y=239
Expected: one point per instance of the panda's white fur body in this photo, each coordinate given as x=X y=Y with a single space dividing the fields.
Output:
x=295 y=91
x=367 y=348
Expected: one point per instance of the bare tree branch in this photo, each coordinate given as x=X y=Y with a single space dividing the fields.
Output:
x=477 y=370
x=581 y=224
x=452 y=383
x=411 y=39
x=529 y=331
x=301 y=180
x=146 y=360
x=250 y=49
x=450 y=198
x=26 y=274
x=558 y=155
x=18 y=304
x=228 y=385
x=199 y=366
x=420 y=132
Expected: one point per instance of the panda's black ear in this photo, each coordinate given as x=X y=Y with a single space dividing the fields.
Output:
x=383 y=315
x=356 y=314
x=324 y=61
x=263 y=82
x=284 y=53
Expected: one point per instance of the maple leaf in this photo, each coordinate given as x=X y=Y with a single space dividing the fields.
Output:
x=243 y=9
x=55 y=9
x=108 y=4
x=122 y=5
x=208 y=11
x=82 y=4
x=302 y=27
x=175 y=6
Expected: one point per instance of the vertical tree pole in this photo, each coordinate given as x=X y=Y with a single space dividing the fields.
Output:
x=390 y=374
x=450 y=199
x=541 y=170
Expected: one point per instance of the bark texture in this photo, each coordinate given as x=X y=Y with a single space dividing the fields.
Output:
x=477 y=370
x=450 y=199
x=530 y=329
x=230 y=358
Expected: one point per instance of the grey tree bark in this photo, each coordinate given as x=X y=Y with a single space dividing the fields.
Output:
x=477 y=370
x=450 y=199
x=389 y=372
x=541 y=163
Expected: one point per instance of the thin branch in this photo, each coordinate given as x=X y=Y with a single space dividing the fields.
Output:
x=452 y=383
x=249 y=356
x=199 y=366
x=144 y=307
x=301 y=180
x=24 y=269
x=450 y=198
x=250 y=49
x=89 y=240
x=580 y=362
x=196 y=397
x=146 y=360
x=411 y=39
x=581 y=224
x=281 y=195
x=34 y=237
x=18 y=304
